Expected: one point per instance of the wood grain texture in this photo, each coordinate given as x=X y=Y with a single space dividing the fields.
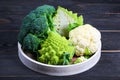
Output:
x=102 y=14
x=110 y=40
x=61 y=78
x=101 y=69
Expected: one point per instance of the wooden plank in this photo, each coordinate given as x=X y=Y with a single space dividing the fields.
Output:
x=8 y=37
x=78 y=7
x=110 y=40
x=61 y=78
x=96 y=8
x=32 y=3
x=103 y=23
x=109 y=31
x=111 y=51
x=102 y=69
x=102 y=16
x=82 y=1
x=81 y=8
x=99 y=21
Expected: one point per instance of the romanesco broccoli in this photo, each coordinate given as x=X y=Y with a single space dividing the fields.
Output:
x=56 y=50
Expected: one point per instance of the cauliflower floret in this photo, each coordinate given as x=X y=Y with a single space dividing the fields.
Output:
x=84 y=38
x=80 y=59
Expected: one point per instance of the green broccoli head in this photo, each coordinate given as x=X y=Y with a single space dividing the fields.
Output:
x=31 y=42
x=38 y=22
x=40 y=27
x=45 y=9
x=56 y=50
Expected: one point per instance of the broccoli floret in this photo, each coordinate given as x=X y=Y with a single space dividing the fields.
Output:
x=40 y=27
x=48 y=11
x=38 y=22
x=31 y=42
x=56 y=50
x=45 y=9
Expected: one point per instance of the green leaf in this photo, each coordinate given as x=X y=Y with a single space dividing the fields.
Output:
x=66 y=60
x=87 y=51
x=63 y=18
x=72 y=26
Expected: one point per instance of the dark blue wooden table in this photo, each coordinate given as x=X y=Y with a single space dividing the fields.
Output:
x=104 y=15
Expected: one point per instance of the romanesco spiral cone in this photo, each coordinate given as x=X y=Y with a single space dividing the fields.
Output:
x=56 y=50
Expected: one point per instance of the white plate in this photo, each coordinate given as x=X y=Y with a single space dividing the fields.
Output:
x=59 y=70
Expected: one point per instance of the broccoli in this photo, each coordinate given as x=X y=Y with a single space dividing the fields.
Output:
x=48 y=11
x=37 y=23
x=40 y=27
x=31 y=42
x=56 y=50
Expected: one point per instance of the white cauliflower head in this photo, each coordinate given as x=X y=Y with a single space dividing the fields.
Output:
x=85 y=38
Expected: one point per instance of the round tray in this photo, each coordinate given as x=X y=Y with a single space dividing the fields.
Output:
x=59 y=70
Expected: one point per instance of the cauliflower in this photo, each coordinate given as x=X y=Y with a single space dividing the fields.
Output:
x=80 y=59
x=85 y=39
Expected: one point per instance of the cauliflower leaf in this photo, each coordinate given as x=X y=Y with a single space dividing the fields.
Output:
x=63 y=18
